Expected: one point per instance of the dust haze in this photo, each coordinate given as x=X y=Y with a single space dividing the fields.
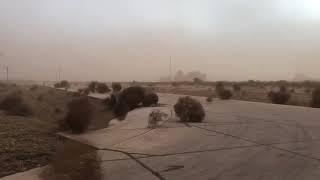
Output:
x=133 y=40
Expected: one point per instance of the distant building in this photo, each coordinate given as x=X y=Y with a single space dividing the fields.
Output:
x=165 y=79
x=181 y=76
x=301 y=77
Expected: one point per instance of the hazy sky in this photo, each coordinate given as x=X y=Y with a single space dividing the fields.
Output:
x=133 y=39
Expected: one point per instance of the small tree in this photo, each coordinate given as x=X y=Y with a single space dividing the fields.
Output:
x=102 y=88
x=116 y=87
x=132 y=96
x=219 y=87
x=189 y=110
x=79 y=115
x=14 y=104
x=225 y=94
x=62 y=84
x=197 y=80
x=93 y=86
x=280 y=97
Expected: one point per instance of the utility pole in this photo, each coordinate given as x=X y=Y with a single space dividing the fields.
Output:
x=170 y=69
x=59 y=73
x=7 y=70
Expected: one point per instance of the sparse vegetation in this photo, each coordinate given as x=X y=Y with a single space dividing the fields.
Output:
x=102 y=88
x=189 y=110
x=98 y=87
x=150 y=99
x=315 y=102
x=236 y=87
x=209 y=99
x=132 y=96
x=154 y=117
x=280 y=97
x=116 y=87
x=219 y=87
x=79 y=115
x=129 y=99
x=62 y=84
x=92 y=86
x=34 y=87
x=13 y=104
x=225 y=94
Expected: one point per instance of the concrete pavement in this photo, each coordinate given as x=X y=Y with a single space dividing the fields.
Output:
x=237 y=141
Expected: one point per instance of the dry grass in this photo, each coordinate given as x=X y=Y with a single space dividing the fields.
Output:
x=30 y=142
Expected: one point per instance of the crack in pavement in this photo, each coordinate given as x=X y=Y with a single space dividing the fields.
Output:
x=155 y=173
x=261 y=144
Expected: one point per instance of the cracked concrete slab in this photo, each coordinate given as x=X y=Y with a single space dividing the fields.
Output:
x=166 y=141
x=238 y=140
x=240 y=164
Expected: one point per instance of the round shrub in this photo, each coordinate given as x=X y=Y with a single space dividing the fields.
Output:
x=62 y=84
x=116 y=87
x=225 y=94
x=79 y=115
x=315 y=102
x=150 y=99
x=280 y=97
x=209 y=99
x=189 y=110
x=219 y=87
x=132 y=96
x=13 y=104
x=102 y=88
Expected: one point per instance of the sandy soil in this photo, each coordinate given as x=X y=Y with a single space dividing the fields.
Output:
x=29 y=142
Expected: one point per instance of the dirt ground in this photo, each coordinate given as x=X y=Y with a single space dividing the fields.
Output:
x=257 y=94
x=30 y=142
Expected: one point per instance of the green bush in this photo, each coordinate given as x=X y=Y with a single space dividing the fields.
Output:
x=280 y=97
x=209 y=99
x=189 y=110
x=150 y=99
x=225 y=94
x=13 y=104
x=79 y=115
x=315 y=102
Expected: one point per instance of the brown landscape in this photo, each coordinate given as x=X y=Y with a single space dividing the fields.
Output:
x=30 y=141
x=159 y=90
